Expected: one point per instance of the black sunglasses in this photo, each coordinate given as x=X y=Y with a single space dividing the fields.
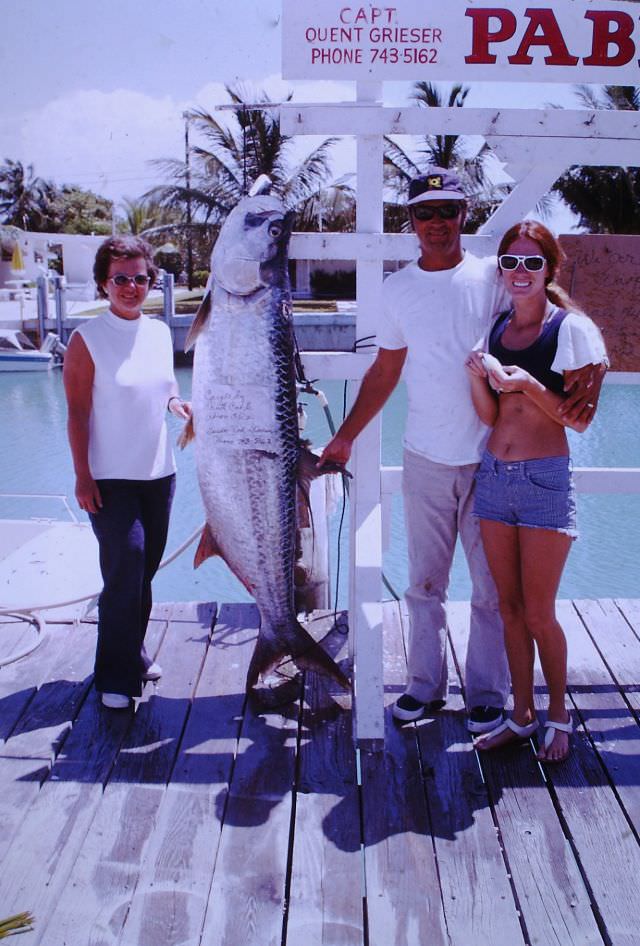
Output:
x=445 y=212
x=533 y=264
x=121 y=280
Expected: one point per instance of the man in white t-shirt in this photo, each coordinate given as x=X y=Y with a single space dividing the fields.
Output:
x=435 y=310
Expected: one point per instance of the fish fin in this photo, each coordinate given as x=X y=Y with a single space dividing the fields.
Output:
x=309 y=655
x=306 y=654
x=207 y=547
x=187 y=434
x=198 y=323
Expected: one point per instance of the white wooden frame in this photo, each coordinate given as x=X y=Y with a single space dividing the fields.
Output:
x=537 y=146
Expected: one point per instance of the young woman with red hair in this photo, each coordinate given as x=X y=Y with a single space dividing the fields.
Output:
x=524 y=490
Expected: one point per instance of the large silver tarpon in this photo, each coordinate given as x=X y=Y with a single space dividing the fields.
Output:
x=246 y=426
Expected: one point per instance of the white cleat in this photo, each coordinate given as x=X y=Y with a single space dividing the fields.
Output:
x=152 y=672
x=116 y=701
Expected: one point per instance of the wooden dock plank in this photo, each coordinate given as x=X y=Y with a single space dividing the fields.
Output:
x=478 y=899
x=404 y=902
x=95 y=900
x=552 y=897
x=246 y=900
x=62 y=678
x=602 y=708
x=56 y=823
x=326 y=898
x=169 y=902
x=630 y=610
x=609 y=858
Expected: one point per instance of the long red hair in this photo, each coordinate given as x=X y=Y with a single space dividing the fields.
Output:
x=552 y=252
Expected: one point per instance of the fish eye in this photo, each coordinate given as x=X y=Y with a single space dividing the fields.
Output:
x=254 y=220
x=275 y=229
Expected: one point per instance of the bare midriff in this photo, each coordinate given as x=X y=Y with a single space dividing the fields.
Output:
x=524 y=432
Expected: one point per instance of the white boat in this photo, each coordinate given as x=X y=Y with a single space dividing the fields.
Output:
x=18 y=353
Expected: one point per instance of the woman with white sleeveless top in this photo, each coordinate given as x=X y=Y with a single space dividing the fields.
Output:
x=119 y=382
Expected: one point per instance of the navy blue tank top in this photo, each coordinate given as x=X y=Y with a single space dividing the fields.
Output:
x=536 y=358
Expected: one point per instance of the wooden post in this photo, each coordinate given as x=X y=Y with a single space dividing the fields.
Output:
x=365 y=606
x=42 y=302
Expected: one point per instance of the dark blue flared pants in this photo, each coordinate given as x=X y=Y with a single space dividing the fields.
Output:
x=131 y=529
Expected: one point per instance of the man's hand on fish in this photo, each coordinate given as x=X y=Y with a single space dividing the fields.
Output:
x=88 y=494
x=583 y=391
x=337 y=451
x=179 y=408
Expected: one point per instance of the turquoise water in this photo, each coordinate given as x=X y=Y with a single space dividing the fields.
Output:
x=602 y=563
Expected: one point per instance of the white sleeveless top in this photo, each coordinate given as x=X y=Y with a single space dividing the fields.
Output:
x=133 y=379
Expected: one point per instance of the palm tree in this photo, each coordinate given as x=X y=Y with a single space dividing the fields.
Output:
x=233 y=156
x=329 y=208
x=25 y=200
x=446 y=151
x=605 y=199
x=144 y=217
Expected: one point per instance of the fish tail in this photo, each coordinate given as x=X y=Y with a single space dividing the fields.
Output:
x=305 y=652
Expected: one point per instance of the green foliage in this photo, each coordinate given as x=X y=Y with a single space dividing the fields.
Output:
x=448 y=151
x=232 y=153
x=169 y=260
x=74 y=210
x=32 y=203
x=200 y=277
x=605 y=199
x=25 y=200
x=340 y=285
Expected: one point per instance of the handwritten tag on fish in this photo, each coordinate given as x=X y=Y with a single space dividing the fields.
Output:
x=243 y=417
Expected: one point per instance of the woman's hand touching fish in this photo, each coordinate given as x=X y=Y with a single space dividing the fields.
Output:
x=179 y=408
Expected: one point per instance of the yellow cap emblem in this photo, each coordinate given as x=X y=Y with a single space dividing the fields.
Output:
x=435 y=182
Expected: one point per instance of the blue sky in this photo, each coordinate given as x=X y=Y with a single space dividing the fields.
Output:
x=96 y=90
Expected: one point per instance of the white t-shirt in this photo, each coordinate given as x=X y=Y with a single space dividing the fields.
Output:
x=438 y=317
x=580 y=343
x=133 y=379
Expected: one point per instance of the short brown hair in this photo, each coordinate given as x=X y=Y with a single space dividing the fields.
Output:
x=121 y=247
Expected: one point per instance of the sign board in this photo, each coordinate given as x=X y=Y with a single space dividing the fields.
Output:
x=602 y=274
x=570 y=41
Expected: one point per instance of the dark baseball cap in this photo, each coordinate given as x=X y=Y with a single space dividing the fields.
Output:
x=436 y=184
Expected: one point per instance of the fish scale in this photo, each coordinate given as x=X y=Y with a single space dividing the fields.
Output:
x=246 y=427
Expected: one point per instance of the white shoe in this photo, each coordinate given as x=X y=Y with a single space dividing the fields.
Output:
x=116 y=700
x=152 y=672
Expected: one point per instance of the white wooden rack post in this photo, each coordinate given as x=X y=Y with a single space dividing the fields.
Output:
x=536 y=146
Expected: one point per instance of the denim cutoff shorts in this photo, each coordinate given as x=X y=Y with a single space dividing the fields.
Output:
x=536 y=494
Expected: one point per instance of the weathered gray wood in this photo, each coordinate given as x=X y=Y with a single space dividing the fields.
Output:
x=603 y=710
x=551 y=893
x=94 y=902
x=477 y=896
x=170 y=899
x=614 y=638
x=19 y=681
x=610 y=857
x=630 y=610
x=404 y=903
x=325 y=903
x=47 y=842
x=246 y=900
x=39 y=725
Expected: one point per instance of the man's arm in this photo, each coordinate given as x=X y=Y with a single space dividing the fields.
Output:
x=377 y=384
x=583 y=391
